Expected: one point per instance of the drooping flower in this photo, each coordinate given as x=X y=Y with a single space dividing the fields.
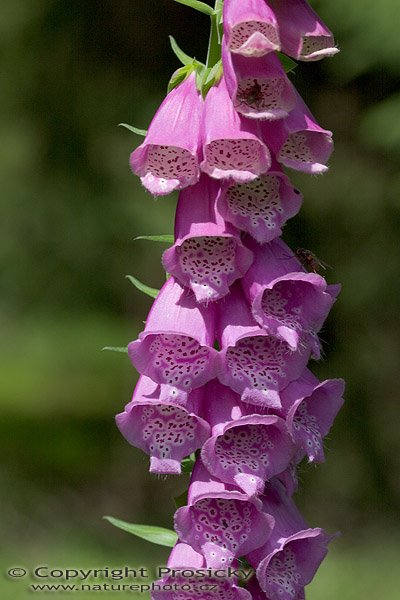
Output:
x=185 y=581
x=176 y=347
x=219 y=521
x=259 y=87
x=291 y=555
x=302 y=33
x=310 y=407
x=245 y=449
x=165 y=431
x=250 y=27
x=261 y=207
x=208 y=255
x=257 y=594
x=298 y=141
x=285 y=300
x=253 y=363
x=251 y=411
x=232 y=147
x=169 y=157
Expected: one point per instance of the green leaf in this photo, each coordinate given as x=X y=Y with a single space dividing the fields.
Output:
x=152 y=292
x=164 y=239
x=200 y=6
x=181 y=500
x=122 y=349
x=151 y=533
x=179 y=76
x=180 y=54
x=142 y=132
x=288 y=64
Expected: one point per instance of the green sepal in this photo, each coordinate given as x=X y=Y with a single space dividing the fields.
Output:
x=164 y=239
x=150 y=533
x=213 y=76
x=142 y=132
x=181 y=500
x=180 y=75
x=187 y=463
x=244 y=563
x=180 y=54
x=287 y=63
x=201 y=72
x=200 y=6
x=219 y=5
x=152 y=292
x=121 y=349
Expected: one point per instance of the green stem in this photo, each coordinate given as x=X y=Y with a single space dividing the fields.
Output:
x=214 y=46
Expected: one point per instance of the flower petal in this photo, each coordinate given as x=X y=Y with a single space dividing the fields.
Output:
x=175 y=349
x=232 y=147
x=259 y=87
x=165 y=431
x=298 y=141
x=222 y=525
x=252 y=362
x=260 y=207
x=303 y=34
x=250 y=27
x=208 y=255
x=168 y=159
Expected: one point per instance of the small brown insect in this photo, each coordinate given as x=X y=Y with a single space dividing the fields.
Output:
x=252 y=95
x=309 y=260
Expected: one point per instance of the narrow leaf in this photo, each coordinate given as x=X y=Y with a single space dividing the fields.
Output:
x=164 y=239
x=152 y=292
x=288 y=64
x=180 y=54
x=151 y=533
x=142 y=132
x=122 y=349
x=200 y=6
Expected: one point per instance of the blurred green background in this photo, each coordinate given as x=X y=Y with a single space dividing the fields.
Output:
x=71 y=71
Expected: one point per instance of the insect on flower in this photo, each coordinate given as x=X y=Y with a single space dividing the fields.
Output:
x=310 y=261
x=252 y=95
